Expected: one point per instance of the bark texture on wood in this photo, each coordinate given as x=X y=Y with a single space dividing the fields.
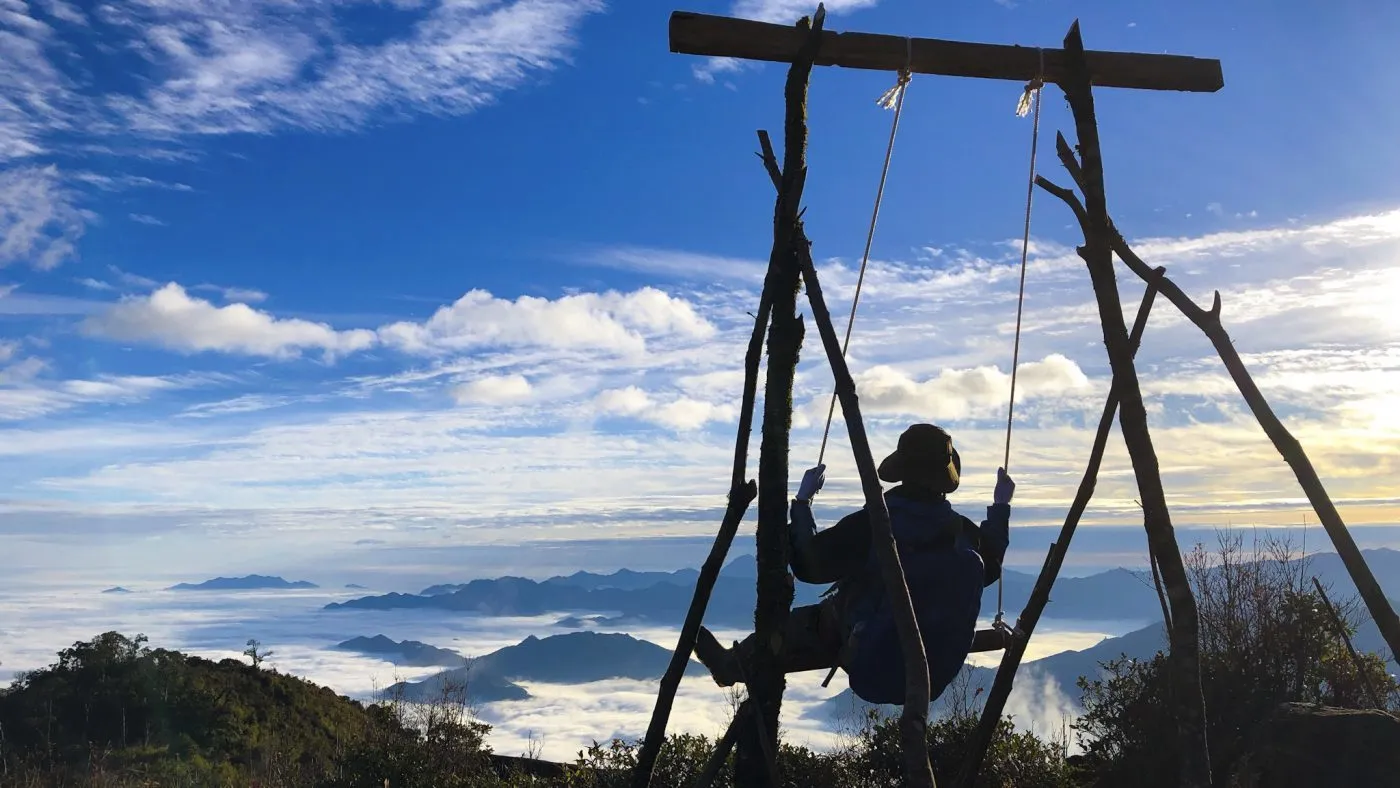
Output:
x=710 y=771
x=1098 y=256
x=719 y=36
x=913 y=721
x=1000 y=692
x=1208 y=320
x=741 y=495
x=765 y=679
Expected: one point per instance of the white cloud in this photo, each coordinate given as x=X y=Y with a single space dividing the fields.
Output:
x=147 y=219
x=245 y=295
x=1311 y=307
x=678 y=264
x=707 y=70
x=630 y=401
x=95 y=284
x=131 y=280
x=112 y=183
x=616 y=322
x=493 y=390
x=785 y=12
x=8 y=348
x=963 y=393
x=170 y=317
x=789 y=11
x=25 y=392
x=679 y=413
x=39 y=223
x=255 y=67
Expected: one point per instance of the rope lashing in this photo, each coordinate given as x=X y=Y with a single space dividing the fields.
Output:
x=890 y=99
x=1030 y=98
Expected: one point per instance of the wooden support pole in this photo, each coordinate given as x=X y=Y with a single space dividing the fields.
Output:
x=1341 y=628
x=913 y=721
x=720 y=755
x=1208 y=321
x=719 y=36
x=741 y=495
x=1185 y=666
x=1026 y=623
x=765 y=678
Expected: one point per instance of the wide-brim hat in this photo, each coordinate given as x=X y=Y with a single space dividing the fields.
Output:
x=924 y=455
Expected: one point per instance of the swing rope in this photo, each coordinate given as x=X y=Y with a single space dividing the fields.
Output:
x=892 y=99
x=1030 y=98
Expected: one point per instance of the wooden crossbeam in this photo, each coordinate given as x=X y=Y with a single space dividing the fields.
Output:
x=721 y=36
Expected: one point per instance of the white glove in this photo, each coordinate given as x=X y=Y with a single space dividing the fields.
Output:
x=812 y=481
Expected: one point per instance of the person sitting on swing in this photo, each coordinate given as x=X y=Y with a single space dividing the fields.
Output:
x=947 y=562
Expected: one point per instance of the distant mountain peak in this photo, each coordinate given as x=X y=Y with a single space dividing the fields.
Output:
x=245 y=583
x=412 y=653
x=117 y=590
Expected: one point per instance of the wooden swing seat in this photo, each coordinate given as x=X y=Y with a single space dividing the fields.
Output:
x=991 y=640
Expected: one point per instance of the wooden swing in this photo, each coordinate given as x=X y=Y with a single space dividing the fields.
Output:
x=1076 y=71
x=1001 y=634
x=804 y=46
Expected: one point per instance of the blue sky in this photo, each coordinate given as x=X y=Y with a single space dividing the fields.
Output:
x=286 y=277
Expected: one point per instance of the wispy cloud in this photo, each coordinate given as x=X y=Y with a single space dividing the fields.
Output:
x=25 y=393
x=779 y=11
x=213 y=69
x=255 y=67
x=615 y=411
x=112 y=183
x=246 y=295
x=676 y=264
x=39 y=221
x=147 y=219
x=789 y=11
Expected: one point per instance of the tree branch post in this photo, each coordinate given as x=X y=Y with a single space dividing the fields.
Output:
x=765 y=678
x=741 y=495
x=1097 y=252
x=1341 y=628
x=1208 y=321
x=1000 y=692
x=913 y=721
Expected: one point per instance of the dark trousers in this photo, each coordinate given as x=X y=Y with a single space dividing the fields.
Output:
x=812 y=639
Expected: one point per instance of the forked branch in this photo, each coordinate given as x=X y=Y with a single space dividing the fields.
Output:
x=1040 y=593
x=1208 y=321
x=1184 y=661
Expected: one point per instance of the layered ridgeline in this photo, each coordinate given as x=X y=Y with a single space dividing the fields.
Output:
x=571 y=658
x=245 y=583
x=409 y=653
x=662 y=598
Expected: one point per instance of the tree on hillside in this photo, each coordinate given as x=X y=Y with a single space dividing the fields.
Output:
x=1267 y=638
x=255 y=653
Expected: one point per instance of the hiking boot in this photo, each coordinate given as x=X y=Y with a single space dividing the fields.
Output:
x=720 y=661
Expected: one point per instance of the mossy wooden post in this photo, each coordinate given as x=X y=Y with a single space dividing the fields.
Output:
x=1097 y=251
x=765 y=679
x=1208 y=321
x=1054 y=559
x=913 y=720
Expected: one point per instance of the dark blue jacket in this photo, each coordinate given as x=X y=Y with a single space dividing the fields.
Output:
x=947 y=562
